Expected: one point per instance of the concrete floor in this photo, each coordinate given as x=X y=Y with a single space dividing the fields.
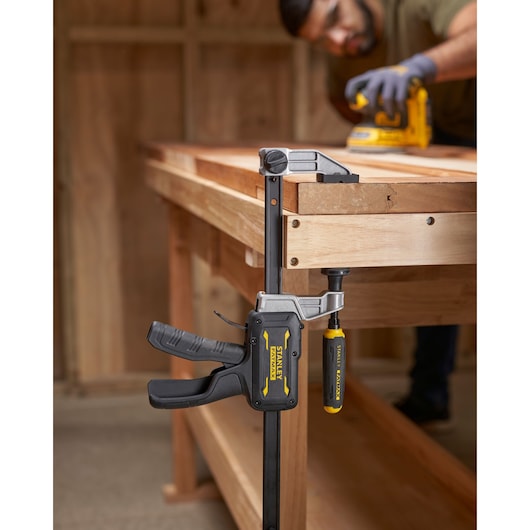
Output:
x=111 y=457
x=113 y=454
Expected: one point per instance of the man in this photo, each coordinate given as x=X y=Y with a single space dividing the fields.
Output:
x=379 y=46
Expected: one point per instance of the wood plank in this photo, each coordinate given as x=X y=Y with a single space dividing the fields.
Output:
x=249 y=14
x=387 y=167
x=360 y=477
x=156 y=72
x=231 y=80
x=314 y=241
x=441 y=161
x=325 y=125
x=95 y=203
x=375 y=297
x=229 y=211
x=126 y=34
x=379 y=297
x=392 y=188
x=171 y=35
x=231 y=266
x=184 y=468
x=404 y=197
x=294 y=448
x=300 y=55
x=432 y=457
x=230 y=436
x=226 y=258
x=126 y=12
x=64 y=307
x=190 y=55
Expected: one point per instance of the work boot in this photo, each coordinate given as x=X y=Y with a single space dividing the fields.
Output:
x=424 y=414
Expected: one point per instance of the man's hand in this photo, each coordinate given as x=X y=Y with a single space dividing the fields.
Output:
x=391 y=83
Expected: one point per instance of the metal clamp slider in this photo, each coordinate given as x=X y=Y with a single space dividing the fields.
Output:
x=306 y=307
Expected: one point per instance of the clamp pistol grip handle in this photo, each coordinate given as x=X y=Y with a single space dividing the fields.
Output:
x=184 y=393
x=192 y=347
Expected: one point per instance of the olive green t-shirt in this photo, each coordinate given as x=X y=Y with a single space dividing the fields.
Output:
x=413 y=26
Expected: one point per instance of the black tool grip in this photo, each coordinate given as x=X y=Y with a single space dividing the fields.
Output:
x=183 y=393
x=192 y=347
x=334 y=368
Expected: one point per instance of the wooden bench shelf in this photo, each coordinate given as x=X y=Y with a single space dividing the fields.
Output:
x=358 y=475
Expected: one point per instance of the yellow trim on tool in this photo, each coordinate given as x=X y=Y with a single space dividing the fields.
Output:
x=333 y=333
x=266 y=337
x=265 y=389
x=332 y=410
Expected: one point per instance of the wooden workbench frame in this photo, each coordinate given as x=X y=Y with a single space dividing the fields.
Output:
x=215 y=427
x=224 y=228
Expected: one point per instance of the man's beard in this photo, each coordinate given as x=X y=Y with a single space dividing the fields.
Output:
x=369 y=31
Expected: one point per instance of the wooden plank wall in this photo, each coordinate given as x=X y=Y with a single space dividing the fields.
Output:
x=129 y=71
x=135 y=70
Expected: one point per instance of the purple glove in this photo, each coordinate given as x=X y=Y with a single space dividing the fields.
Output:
x=391 y=82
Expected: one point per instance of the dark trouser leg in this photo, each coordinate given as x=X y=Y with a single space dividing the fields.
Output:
x=434 y=361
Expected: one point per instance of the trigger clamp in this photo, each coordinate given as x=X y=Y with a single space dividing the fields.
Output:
x=264 y=369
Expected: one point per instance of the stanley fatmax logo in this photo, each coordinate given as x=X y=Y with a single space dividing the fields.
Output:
x=339 y=373
x=277 y=369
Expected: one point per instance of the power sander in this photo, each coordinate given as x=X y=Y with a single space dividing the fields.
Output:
x=378 y=132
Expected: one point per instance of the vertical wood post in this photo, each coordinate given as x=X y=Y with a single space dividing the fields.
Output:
x=181 y=316
x=293 y=492
x=190 y=55
x=300 y=90
x=64 y=307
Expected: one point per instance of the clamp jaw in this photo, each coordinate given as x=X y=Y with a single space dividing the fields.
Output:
x=282 y=161
x=264 y=369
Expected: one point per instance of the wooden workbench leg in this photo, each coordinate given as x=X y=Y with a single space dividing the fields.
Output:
x=293 y=491
x=185 y=485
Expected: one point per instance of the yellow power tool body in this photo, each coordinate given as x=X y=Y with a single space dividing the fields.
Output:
x=379 y=132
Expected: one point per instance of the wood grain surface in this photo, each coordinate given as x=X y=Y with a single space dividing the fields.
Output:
x=437 y=179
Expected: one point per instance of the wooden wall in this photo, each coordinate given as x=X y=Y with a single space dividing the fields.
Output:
x=129 y=71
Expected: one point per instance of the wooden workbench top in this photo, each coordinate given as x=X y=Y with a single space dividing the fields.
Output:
x=436 y=179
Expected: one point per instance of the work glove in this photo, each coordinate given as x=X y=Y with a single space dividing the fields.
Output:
x=391 y=82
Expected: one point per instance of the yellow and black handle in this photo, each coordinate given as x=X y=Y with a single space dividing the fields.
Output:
x=334 y=351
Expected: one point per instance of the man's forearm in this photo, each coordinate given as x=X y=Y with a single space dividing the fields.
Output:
x=456 y=58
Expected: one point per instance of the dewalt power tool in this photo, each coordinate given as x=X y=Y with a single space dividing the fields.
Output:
x=378 y=132
x=265 y=368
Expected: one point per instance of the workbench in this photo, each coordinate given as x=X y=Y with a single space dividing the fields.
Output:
x=407 y=230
